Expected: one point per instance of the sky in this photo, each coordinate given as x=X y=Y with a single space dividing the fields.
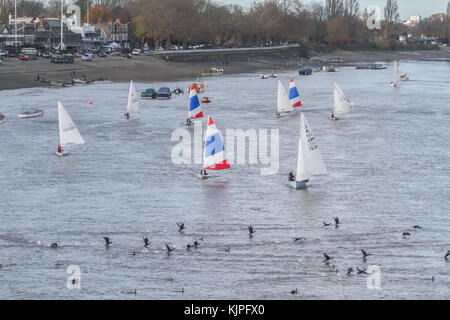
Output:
x=407 y=8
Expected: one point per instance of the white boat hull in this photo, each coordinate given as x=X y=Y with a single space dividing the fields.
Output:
x=31 y=115
x=61 y=154
x=202 y=177
x=298 y=184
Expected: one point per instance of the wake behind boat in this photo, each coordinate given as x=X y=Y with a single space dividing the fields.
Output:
x=32 y=113
x=68 y=132
x=309 y=159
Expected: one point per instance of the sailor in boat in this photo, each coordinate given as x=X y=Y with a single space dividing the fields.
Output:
x=188 y=122
x=277 y=114
x=126 y=115
x=59 y=149
x=203 y=172
x=333 y=117
x=291 y=176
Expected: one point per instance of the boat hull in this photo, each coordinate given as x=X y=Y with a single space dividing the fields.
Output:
x=298 y=184
x=40 y=113
x=202 y=177
x=61 y=154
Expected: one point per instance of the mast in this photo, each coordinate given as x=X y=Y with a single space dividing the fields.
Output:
x=62 y=28
x=15 y=24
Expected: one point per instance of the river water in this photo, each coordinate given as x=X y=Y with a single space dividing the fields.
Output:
x=388 y=169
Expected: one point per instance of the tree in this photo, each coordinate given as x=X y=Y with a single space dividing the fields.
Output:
x=391 y=15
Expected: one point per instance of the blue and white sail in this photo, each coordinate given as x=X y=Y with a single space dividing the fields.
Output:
x=214 y=157
x=294 y=97
x=195 y=111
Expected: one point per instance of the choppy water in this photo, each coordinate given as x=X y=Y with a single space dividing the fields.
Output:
x=388 y=165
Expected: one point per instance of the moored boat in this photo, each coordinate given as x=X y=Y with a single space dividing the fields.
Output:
x=32 y=113
x=163 y=93
x=149 y=94
x=2 y=117
x=305 y=72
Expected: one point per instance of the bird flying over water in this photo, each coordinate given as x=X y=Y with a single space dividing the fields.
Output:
x=365 y=254
x=196 y=243
x=417 y=227
x=298 y=239
x=188 y=246
x=180 y=226
x=325 y=224
x=294 y=291
x=349 y=271
x=251 y=230
x=361 y=271
x=169 y=248
x=336 y=221
x=406 y=234
x=107 y=241
x=447 y=255
x=327 y=257
x=146 y=242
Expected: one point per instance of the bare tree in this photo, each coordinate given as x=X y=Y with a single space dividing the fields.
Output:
x=391 y=15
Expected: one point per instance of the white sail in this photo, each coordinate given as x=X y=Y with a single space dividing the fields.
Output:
x=341 y=103
x=397 y=77
x=309 y=161
x=133 y=100
x=284 y=105
x=68 y=132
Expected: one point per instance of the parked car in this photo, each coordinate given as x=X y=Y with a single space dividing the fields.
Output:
x=3 y=54
x=102 y=54
x=87 y=57
x=46 y=55
x=23 y=57
x=136 y=52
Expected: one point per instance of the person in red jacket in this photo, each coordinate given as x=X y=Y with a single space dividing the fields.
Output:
x=59 y=149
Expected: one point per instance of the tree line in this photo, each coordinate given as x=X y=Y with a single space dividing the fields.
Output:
x=188 y=22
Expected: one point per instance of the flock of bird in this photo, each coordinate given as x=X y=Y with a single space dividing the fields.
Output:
x=251 y=231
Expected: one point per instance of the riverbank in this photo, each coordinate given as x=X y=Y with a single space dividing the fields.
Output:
x=15 y=74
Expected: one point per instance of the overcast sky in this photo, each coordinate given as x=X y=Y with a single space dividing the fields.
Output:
x=408 y=8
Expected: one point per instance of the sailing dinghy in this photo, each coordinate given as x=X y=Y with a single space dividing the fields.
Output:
x=294 y=97
x=68 y=132
x=284 y=104
x=195 y=110
x=133 y=102
x=309 y=160
x=342 y=105
x=214 y=157
x=397 y=77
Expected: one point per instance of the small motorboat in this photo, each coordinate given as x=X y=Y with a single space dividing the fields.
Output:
x=404 y=77
x=263 y=77
x=163 y=93
x=327 y=69
x=305 y=72
x=32 y=113
x=206 y=100
x=2 y=117
x=80 y=81
x=149 y=94
x=57 y=83
x=212 y=72
x=178 y=91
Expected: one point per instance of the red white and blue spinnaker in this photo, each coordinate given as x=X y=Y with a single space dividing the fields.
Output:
x=195 y=111
x=294 y=97
x=214 y=157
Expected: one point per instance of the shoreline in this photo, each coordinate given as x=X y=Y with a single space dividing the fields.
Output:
x=16 y=74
